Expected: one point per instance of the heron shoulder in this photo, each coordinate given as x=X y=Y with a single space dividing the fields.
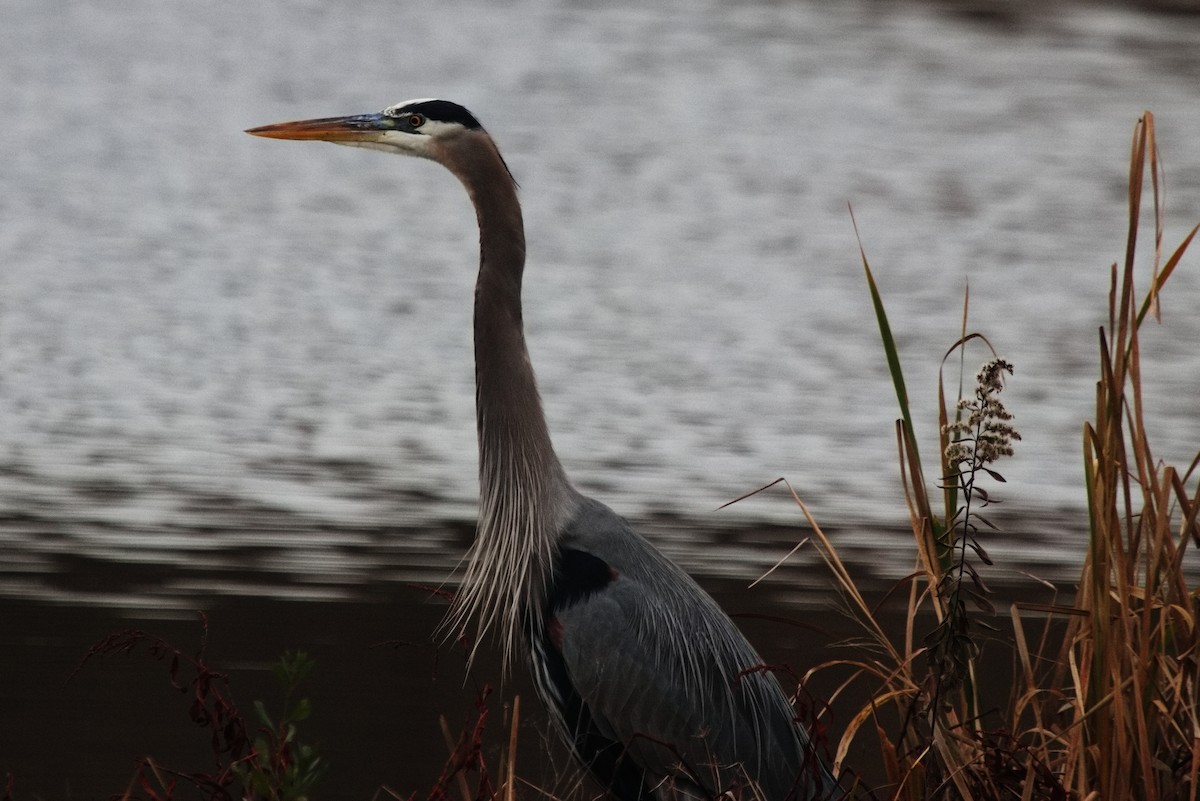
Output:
x=597 y=530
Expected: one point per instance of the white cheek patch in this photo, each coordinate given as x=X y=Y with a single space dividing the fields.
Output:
x=394 y=141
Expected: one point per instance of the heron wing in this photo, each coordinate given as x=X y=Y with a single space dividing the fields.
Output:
x=594 y=742
x=661 y=671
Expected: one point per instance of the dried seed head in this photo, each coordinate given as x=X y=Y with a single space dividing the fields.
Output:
x=984 y=435
x=991 y=375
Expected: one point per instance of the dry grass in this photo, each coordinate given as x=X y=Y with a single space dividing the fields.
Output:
x=1104 y=700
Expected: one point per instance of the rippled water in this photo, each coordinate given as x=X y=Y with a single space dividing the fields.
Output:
x=232 y=367
x=196 y=321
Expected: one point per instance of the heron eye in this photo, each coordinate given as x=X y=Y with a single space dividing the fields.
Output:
x=416 y=120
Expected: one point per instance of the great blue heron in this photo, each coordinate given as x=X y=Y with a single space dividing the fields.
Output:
x=652 y=685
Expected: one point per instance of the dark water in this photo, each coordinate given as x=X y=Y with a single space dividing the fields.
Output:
x=378 y=691
x=379 y=688
x=383 y=678
x=234 y=375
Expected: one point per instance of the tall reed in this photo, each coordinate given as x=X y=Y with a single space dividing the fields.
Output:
x=1103 y=704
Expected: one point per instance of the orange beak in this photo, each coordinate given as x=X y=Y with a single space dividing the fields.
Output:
x=357 y=128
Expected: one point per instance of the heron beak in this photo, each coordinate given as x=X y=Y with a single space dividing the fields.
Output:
x=357 y=128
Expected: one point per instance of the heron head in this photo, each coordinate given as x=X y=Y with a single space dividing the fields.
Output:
x=414 y=127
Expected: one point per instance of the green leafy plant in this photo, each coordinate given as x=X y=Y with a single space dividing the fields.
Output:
x=280 y=767
x=275 y=766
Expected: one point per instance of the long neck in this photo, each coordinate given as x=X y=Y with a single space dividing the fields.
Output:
x=524 y=493
x=512 y=426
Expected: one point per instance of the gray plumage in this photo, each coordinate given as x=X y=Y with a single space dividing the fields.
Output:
x=653 y=654
x=651 y=684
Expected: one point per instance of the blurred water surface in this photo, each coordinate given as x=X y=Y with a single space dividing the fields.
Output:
x=233 y=368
